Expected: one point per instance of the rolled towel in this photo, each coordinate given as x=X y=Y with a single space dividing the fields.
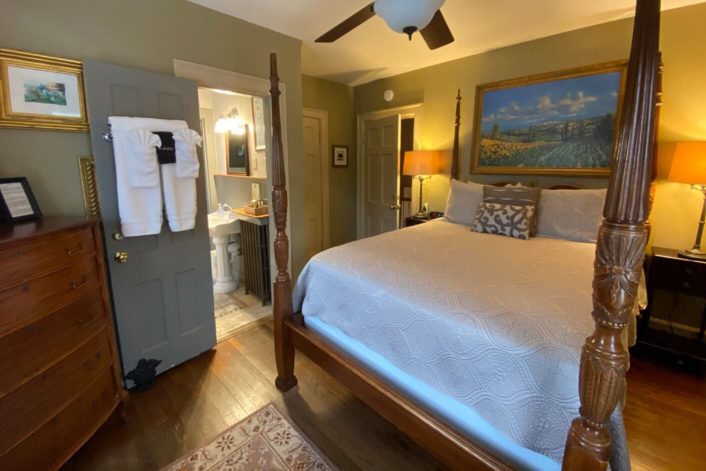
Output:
x=144 y=168
x=187 y=161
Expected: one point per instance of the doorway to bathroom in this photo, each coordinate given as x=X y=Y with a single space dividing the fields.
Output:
x=235 y=123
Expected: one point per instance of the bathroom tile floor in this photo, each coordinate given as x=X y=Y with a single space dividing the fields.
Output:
x=238 y=311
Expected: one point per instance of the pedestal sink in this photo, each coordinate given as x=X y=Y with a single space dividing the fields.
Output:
x=221 y=224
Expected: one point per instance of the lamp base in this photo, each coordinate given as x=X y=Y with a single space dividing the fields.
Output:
x=696 y=254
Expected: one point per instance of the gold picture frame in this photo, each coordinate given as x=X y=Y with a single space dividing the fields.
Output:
x=41 y=92
x=565 y=120
x=89 y=186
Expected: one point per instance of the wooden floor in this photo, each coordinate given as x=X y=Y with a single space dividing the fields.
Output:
x=665 y=415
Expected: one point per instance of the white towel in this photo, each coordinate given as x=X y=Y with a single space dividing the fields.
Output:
x=187 y=162
x=144 y=167
x=139 y=194
x=179 y=192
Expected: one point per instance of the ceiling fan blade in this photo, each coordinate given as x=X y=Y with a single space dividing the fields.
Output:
x=437 y=32
x=348 y=25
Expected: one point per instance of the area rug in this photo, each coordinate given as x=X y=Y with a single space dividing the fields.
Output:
x=265 y=440
x=237 y=312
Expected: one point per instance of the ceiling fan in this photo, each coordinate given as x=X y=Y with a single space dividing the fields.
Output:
x=402 y=16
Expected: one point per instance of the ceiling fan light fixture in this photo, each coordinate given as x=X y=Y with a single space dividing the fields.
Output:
x=407 y=16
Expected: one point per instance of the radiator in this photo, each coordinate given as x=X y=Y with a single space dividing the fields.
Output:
x=256 y=260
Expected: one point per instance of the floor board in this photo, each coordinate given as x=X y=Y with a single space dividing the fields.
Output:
x=665 y=414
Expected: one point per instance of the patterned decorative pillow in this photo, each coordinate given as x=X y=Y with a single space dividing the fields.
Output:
x=515 y=195
x=512 y=220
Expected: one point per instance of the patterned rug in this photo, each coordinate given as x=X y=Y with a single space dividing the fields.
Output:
x=238 y=311
x=265 y=440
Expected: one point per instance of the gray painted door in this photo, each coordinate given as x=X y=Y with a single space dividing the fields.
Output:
x=162 y=294
x=380 y=164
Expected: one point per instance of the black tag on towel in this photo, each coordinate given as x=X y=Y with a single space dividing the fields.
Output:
x=166 y=153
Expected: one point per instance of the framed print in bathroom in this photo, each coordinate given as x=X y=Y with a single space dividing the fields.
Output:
x=41 y=91
x=258 y=114
x=560 y=123
x=340 y=156
x=17 y=202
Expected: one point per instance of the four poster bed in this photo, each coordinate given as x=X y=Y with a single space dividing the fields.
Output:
x=482 y=375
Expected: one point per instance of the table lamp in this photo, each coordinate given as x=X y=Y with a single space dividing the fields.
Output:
x=421 y=164
x=689 y=166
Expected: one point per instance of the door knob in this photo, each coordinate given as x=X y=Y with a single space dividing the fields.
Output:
x=394 y=205
x=120 y=256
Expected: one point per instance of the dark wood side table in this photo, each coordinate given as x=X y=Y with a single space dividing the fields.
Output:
x=414 y=220
x=667 y=271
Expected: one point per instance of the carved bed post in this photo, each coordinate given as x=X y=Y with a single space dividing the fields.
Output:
x=282 y=287
x=457 y=125
x=619 y=251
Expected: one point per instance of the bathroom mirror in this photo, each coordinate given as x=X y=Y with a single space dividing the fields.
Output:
x=237 y=155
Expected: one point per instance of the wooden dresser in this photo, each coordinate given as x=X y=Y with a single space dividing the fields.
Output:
x=59 y=367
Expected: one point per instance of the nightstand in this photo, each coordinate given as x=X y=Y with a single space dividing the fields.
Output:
x=414 y=220
x=677 y=276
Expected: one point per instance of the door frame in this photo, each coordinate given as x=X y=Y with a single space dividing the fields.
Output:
x=212 y=77
x=404 y=112
x=322 y=116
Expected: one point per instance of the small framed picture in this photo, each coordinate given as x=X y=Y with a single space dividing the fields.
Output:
x=340 y=156
x=17 y=202
x=41 y=91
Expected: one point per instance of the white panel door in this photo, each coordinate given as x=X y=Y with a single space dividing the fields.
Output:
x=313 y=191
x=380 y=163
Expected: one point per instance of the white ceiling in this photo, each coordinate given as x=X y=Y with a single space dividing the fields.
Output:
x=373 y=51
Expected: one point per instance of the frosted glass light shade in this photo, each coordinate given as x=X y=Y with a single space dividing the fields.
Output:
x=401 y=14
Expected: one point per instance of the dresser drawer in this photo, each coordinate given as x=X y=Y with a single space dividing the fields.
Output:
x=28 y=302
x=676 y=275
x=51 y=445
x=29 y=406
x=31 y=349
x=45 y=254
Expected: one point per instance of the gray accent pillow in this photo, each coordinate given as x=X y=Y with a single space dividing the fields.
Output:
x=515 y=195
x=512 y=220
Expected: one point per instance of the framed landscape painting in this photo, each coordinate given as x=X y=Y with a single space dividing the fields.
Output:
x=561 y=123
x=41 y=91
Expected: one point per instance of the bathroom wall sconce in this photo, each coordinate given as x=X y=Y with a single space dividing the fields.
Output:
x=230 y=122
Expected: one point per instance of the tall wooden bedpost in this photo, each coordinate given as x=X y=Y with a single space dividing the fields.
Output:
x=619 y=251
x=282 y=288
x=457 y=125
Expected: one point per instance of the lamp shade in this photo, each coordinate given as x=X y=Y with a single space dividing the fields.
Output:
x=689 y=163
x=421 y=162
x=402 y=14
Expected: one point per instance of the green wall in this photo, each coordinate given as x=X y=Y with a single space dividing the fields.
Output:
x=337 y=99
x=146 y=35
x=683 y=46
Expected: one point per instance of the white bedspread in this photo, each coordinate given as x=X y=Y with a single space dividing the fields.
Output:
x=493 y=322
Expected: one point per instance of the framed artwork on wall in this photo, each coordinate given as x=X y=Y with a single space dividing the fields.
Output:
x=340 y=156
x=17 y=202
x=41 y=91
x=258 y=115
x=560 y=123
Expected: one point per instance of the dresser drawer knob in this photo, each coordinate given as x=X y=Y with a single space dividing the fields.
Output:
x=19 y=253
x=686 y=285
x=689 y=271
x=76 y=251
x=78 y=284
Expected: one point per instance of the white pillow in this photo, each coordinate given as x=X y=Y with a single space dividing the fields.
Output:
x=462 y=201
x=571 y=214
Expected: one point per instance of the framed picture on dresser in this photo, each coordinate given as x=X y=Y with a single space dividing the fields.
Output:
x=17 y=202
